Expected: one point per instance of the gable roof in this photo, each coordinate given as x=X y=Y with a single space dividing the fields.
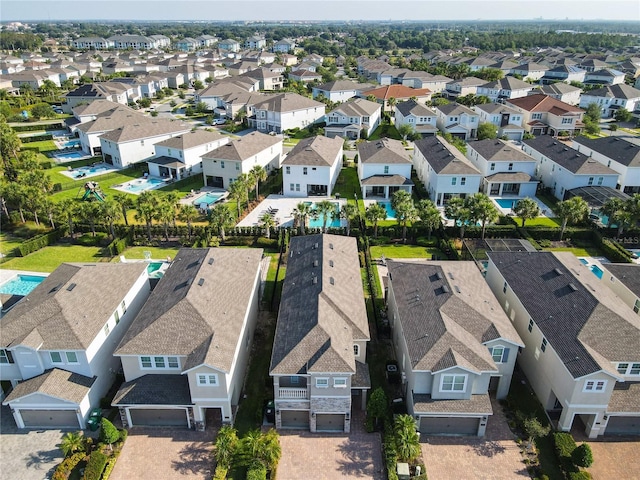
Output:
x=287 y=102
x=385 y=150
x=198 y=308
x=315 y=151
x=70 y=307
x=244 y=147
x=620 y=90
x=617 y=149
x=411 y=107
x=496 y=108
x=558 y=88
x=56 y=383
x=191 y=139
x=99 y=107
x=447 y=313
x=142 y=130
x=357 y=107
x=544 y=103
x=568 y=158
x=455 y=109
x=628 y=274
x=396 y=91
x=322 y=311
x=508 y=83
x=497 y=150
x=444 y=158
x=343 y=85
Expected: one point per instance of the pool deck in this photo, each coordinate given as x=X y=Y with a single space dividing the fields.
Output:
x=189 y=198
x=6 y=275
x=285 y=207
x=546 y=211
x=122 y=186
x=108 y=169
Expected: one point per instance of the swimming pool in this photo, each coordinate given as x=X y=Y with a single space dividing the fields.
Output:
x=89 y=171
x=140 y=185
x=156 y=269
x=391 y=213
x=317 y=222
x=506 y=202
x=21 y=285
x=69 y=155
x=596 y=270
x=70 y=144
x=208 y=199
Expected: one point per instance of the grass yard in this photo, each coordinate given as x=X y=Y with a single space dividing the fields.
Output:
x=348 y=184
x=385 y=130
x=157 y=253
x=75 y=189
x=8 y=243
x=49 y=258
x=579 y=252
x=405 y=251
x=43 y=146
x=539 y=222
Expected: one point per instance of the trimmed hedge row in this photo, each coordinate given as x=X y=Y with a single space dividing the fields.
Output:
x=37 y=138
x=572 y=456
x=35 y=128
x=95 y=466
x=64 y=469
x=38 y=242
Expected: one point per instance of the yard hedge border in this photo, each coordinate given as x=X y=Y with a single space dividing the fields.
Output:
x=40 y=241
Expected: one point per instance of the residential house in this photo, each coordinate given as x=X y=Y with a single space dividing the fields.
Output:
x=92 y=43
x=444 y=170
x=530 y=71
x=339 y=90
x=229 y=45
x=561 y=168
x=624 y=280
x=312 y=167
x=606 y=76
x=454 y=345
x=187 y=44
x=425 y=80
x=112 y=91
x=593 y=64
x=285 y=45
x=286 y=111
x=545 y=115
x=215 y=94
x=399 y=93
x=222 y=165
x=616 y=153
x=352 y=119
x=104 y=117
x=457 y=120
x=507 y=120
x=612 y=98
x=185 y=356
x=205 y=41
x=505 y=88
x=507 y=170
x=255 y=42
x=267 y=79
x=288 y=60
x=563 y=73
x=57 y=343
x=581 y=341
x=421 y=118
x=561 y=91
x=463 y=87
x=179 y=157
x=318 y=364
x=304 y=76
x=384 y=167
x=138 y=42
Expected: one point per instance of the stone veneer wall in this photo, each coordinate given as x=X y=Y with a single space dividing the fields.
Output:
x=331 y=405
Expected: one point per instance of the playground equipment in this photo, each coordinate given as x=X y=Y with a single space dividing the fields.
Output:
x=92 y=192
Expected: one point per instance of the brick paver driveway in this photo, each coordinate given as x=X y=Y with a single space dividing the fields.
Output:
x=615 y=457
x=494 y=457
x=331 y=456
x=165 y=453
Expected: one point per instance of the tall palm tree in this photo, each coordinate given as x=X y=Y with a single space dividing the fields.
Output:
x=375 y=213
x=300 y=214
x=245 y=181
x=429 y=215
x=611 y=209
x=402 y=203
x=68 y=208
x=220 y=217
x=111 y=212
x=527 y=209
x=257 y=174
x=226 y=446
x=267 y=222
x=571 y=211
x=406 y=437
x=173 y=199
x=165 y=213
x=391 y=102
x=126 y=202
x=325 y=208
x=146 y=205
x=90 y=212
x=188 y=213
x=348 y=212
x=482 y=210
x=456 y=210
x=238 y=192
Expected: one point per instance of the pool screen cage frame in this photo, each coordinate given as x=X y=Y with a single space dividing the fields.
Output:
x=476 y=248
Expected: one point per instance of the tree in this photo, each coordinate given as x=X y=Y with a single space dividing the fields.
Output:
x=257 y=174
x=188 y=213
x=43 y=110
x=238 y=191
x=125 y=202
x=226 y=446
x=623 y=115
x=220 y=217
x=198 y=85
x=90 y=212
x=582 y=456
x=573 y=210
x=593 y=112
x=375 y=213
x=487 y=130
x=402 y=203
x=456 y=210
x=405 y=130
x=111 y=212
x=612 y=209
x=108 y=432
x=72 y=443
x=429 y=215
x=69 y=209
x=534 y=429
x=391 y=102
x=267 y=222
x=527 y=209
x=325 y=208
x=482 y=209
x=164 y=213
x=173 y=199
x=348 y=212
x=201 y=107
x=377 y=405
x=300 y=215
x=406 y=438
x=146 y=205
x=9 y=148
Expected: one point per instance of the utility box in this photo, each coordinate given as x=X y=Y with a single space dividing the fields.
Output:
x=402 y=469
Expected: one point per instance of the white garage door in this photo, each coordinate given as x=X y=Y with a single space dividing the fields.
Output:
x=449 y=425
x=167 y=417
x=294 y=419
x=623 y=426
x=50 y=418
x=326 y=422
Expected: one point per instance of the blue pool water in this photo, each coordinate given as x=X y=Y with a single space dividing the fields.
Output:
x=209 y=199
x=391 y=213
x=82 y=172
x=155 y=269
x=506 y=202
x=597 y=271
x=21 y=285
x=69 y=155
x=317 y=222
x=584 y=261
x=71 y=144
x=142 y=184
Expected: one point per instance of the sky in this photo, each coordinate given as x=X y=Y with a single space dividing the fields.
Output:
x=267 y=10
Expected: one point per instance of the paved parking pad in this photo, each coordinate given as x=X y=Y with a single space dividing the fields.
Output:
x=615 y=457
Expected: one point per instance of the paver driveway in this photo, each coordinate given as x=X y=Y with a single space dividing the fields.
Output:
x=494 y=457
x=615 y=457
x=165 y=453
x=27 y=454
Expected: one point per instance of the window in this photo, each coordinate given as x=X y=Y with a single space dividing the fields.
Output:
x=159 y=362
x=340 y=382
x=287 y=170
x=292 y=187
x=454 y=180
x=504 y=287
x=106 y=329
x=6 y=357
x=453 y=383
x=543 y=345
x=386 y=169
x=356 y=350
x=567 y=121
x=297 y=187
x=322 y=382
x=221 y=163
x=238 y=166
x=116 y=315
x=173 y=362
x=146 y=362
x=208 y=380
x=600 y=180
x=492 y=167
x=530 y=327
x=463 y=181
x=536 y=116
x=500 y=354
x=636 y=306
x=590 y=182
x=72 y=357
x=594 y=386
x=304 y=170
x=510 y=166
x=294 y=380
x=627 y=368
x=124 y=307
x=56 y=357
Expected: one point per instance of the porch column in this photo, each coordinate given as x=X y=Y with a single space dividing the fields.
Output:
x=364 y=192
x=501 y=187
x=386 y=191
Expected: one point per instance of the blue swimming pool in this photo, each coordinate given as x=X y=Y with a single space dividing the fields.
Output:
x=21 y=285
x=317 y=222
x=391 y=213
x=208 y=199
x=506 y=202
x=140 y=185
x=69 y=155
x=596 y=270
x=71 y=144
x=156 y=269
x=82 y=172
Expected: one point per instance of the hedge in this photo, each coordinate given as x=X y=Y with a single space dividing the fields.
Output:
x=257 y=471
x=38 y=127
x=220 y=473
x=582 y=456
x=38 y=242
x=564 y=447
x=95 y=466
x=63 y=470
x=37 y=138
x=582 y=475
x=118 y=245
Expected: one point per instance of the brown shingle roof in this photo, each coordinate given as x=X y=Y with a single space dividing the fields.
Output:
x=397 y=92
x=56 y=383
x=191 y=140
x=385 y=150
x=244 y=147
x=543 y=103
x=315 y=151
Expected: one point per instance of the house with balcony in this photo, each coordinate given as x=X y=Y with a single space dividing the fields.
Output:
x=222 y=165
x=312 y=167
x=616 y=153
x=57 y=343
x=285 y=111
x=353 y=119
x=464 y=86
x=581 y=341
x=384 y=167
x=420 y=118
x=444 y=170
x=180 y=157
x=544 y=115
x=508 y=122
x=455 y=346
x=507 y=170
x=339 y=90
x=624 y=280
x=185 y=356
x=561 y=168
x=561 y=91
x=318 y=363
x=505 y=88
x=612 y=98
x=457 y=120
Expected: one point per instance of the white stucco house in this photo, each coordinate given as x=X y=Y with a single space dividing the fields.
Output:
x=352 y=119
x=508 y=122
x=339 y=90
x=384 y=167
x=419 y=117
x=286 y=111
x=624 y=280
x=506 y=87
x=612 y=98
x=458 y=120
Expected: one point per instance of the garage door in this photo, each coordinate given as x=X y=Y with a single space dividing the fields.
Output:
x=513 y=135
x=623 y=426
x=50 y=418
x=169 y=417
x=330 y=422
x=294 y=419
x=449 y=426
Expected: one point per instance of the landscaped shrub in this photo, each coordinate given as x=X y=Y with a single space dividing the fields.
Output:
x=95 y=465
x=37 y=138
x=582 y=455
x=38 y=242
x=257 y=471
x=582 y=475
x=63 y=470
x=108 y=432
x=564 y=447
x=123 y=434
x=220 y=473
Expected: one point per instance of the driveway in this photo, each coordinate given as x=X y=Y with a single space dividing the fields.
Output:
x=494 y=457
x=27 y=454
x=331 y=456
x=614 y=457
x=165 y=453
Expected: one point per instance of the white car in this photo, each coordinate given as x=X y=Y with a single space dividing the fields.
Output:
x=220 y=121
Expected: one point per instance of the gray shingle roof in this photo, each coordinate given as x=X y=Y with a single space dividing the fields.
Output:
x=386 y=180
x=315 y=151
x=191 y=139
x=287 y=102
x=508 y=83
x=411 y=107
x=244 y=147
x=619 y=90
x=511 y=177
x=496 y=150
x=56 y=383
x=55 y=316
x=626 y=273
x=198 y=308
x=322 y=310
x=567 y=157
x=155 y=390
x=144 y=130
x=444 y=158
x=343 y=85
x=618 y=149
x=456 y=109
x=385 y=151
x=480 y=404
x=357 y=107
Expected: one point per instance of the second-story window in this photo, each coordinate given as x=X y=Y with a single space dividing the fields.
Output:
x=287 y=170
x=6 y=357
x=453 y=383
x=386 y=169
x=304 y=170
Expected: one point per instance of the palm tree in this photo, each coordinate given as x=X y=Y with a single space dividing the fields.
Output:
x=69 y=209
x=406 y=437
x=220 y=217
x=71 y=443
x=300 y=214
x=165 y=214
x=146 y=205
x=238 y=192
x=49 y=208
x=271 y=449
x=257 y=174
x=325 y=208
x=173 y=199
x=125 y=202
x=612 y=208
x=571 y=211
x=405 y=130
x=111 y=212
x=402 y=203
x=15 y=194
x=457 y=210
x=267 y=222
x=429 y=215
x=348 y=212
x=245 y=181
x=90 y=212
x=188 y=213
x=527 y=209
x=482 y=209
x=225 y=446
x=375 y=213
x=391 y=102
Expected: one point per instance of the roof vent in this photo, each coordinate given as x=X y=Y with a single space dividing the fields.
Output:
x=573 y=287
x=315 y=245
x=71 y=287
x=445 y=289
x=331 y=263
x=331 y=246
x=211 y=261
x=557 y=271
x=451 y=276
x=315 y=280
x=332 y=281
x=457 y=288
x=201 y=282
x=56 y=288
x=438 y=275
x=315 y=263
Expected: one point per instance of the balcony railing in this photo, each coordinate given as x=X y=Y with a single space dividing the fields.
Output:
x=293 y=393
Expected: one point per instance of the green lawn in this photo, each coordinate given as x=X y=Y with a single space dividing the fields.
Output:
x=385 y=130
x=157 y=253
x=405 y=251
x=75 y=189
x=539 y=222
x=8 y=243
x=579 y=252
x=348 y=184
x=49 y=258
x=43 y=146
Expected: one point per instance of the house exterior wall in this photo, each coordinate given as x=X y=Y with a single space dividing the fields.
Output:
x=414 y=121
x=365 y=170
x=628 y=176
x=294 y=175
x=128 y=153
x=337 y=96
x=271 y=121
x=458 y=123
x=191 y=157
x=621 y=290
x=484 y=165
